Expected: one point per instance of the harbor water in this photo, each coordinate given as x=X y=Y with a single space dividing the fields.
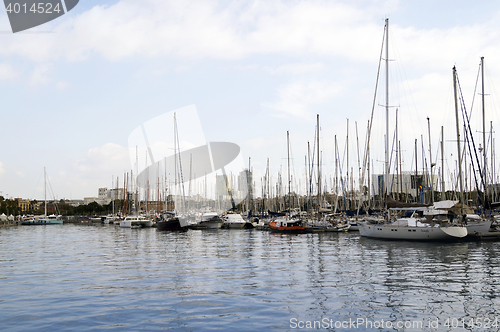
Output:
x=76 y=277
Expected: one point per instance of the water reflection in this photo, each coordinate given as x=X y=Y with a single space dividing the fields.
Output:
x=108 y=277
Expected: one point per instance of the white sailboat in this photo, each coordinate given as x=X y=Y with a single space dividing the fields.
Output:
x=210 y=219
x=233 y=220
x=136 y=221
x=424 y=223
x=44 y=219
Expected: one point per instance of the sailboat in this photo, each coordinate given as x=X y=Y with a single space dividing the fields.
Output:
x=422 y=223
x=328 y=223
x=170 y=220
x=44 y=220
x=475 y=223
x=288 y=223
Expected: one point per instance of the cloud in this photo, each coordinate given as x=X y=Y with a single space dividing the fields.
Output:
x=257 y=142
x=2 y=170
x=202 y=29
x=41 y=75
x=296 y=99
x=63 y=85
x=104 y=159
x=7 y=72
x=297 y=68
x=96 y=168
x=199 y=29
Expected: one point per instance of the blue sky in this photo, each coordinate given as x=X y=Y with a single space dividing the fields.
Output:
x=74 y=89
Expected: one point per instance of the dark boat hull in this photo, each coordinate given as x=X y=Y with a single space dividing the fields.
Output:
x=170 y=225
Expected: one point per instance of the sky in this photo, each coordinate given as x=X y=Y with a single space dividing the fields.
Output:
x=73 y=90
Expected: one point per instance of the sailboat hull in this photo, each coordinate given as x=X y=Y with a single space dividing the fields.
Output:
x=42 y=221
x=394 y=232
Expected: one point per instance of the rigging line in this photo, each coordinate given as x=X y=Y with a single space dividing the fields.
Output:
x=341 y=178
x=390 y=159
x=312 y=170
x=469 y=139
x=53 y=196
x=426 y=165
x=400 y=63
x=180 y=164
x=475 y=89
x=367 y=143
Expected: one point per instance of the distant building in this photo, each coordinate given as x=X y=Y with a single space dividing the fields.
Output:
x=106 y=196
x=88 y=200
x=406 y=183
x=25 y=205
x=244 y=179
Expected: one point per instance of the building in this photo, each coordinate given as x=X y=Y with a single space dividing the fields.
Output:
x=25 y=205
x=244 y=181
x=406 y=183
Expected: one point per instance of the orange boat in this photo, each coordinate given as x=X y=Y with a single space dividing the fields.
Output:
x=287 y=226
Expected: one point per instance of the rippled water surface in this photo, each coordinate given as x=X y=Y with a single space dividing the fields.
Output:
x=74 y=277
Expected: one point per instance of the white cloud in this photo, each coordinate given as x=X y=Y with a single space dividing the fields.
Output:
x=257 y=142
x=41 y=75
x=108 y=157
x=7 y=72
x=2 y=170
x=296 y=99
x=200 y=29
x=63 y=85
x=297 y=68
x=97 y=168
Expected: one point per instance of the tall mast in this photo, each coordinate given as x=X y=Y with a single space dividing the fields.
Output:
x=319 y=173
x=347 y=155
x=397 y=156
x=336 y=175
x=175 y=164
x=484 y=134
x=45 y=190
x=308 y=179
x=386 y=106
x=492 y=158
x=443 y=190
x=416 y=172
x=458 y=139
x=288 y=165
x=430 y=159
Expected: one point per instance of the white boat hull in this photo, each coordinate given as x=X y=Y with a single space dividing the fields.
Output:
x=395 y=232
x=482 y=226
x=135 y=223
x=233 y=221
x=354 y=226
